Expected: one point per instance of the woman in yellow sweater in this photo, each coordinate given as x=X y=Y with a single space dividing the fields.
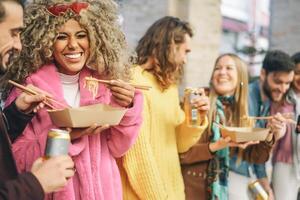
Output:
x=151 y=168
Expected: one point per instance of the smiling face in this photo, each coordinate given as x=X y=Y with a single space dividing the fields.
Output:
x=10 y=27
x=224 y=78
x=71 y=48
x=276 y=84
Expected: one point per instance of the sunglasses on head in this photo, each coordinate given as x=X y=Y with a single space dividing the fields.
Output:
x=60 y=9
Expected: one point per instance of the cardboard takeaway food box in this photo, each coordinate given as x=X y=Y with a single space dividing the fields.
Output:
x=87 y=115
x=244 y=134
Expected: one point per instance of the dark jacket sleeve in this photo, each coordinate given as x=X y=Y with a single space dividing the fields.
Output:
x=197 y=153
x=15 y=120
x=24 y=187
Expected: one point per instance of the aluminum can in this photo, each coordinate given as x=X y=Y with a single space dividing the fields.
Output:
x=258 y=191
x=58 y=142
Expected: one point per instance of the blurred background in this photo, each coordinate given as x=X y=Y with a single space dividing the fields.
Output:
x=246 y=27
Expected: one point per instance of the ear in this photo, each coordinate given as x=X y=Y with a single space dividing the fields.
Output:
x=263 y=75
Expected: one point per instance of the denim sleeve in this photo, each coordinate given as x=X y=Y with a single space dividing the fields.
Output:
x=260 y=170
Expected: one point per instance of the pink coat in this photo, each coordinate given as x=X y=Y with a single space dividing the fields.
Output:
x=97 y=176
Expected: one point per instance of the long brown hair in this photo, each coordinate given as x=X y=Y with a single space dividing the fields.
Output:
x=159 y=42
x=240 y=108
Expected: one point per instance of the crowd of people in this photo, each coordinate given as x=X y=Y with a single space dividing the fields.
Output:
x=153 y=153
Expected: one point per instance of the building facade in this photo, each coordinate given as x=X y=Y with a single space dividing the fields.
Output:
x=205 y=17
x=285 y=26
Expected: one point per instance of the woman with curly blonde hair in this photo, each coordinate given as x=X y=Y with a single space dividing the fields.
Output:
x=65 y=42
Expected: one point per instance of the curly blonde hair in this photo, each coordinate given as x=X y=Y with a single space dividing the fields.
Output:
x=108 y=47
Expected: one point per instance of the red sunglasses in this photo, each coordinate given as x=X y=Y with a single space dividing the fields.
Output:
x=60 y=9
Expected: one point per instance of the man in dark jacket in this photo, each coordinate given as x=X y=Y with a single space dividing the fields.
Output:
x=45 y=176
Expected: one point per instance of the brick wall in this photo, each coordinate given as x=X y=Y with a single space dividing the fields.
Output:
x=205 y=17
x=285 y=26
x=139 y=15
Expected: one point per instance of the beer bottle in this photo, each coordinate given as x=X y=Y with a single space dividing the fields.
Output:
x=191 y=112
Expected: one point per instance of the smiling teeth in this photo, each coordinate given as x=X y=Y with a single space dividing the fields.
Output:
x=73 y=55
x=223 y=80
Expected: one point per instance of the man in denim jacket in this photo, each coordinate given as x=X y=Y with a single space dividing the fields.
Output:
x=272 y=86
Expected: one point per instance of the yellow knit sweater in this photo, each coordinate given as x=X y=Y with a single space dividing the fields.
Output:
x=151 y=169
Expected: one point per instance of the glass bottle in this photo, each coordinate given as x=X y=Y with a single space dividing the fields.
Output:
x=191 y=113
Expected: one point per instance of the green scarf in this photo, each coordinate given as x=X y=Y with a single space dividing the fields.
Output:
x=219 y=187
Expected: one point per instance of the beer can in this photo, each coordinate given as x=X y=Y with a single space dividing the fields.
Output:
x=258 y=191
x=58 y=142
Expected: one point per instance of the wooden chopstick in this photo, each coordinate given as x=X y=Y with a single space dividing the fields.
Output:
x=285 y=115
x=32 y=92
x=261 y=117
x=141 y=87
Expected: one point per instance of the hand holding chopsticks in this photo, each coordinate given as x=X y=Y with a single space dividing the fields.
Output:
x=122 y=92
x=277 y=123
x=287 y=116
x=36 y=91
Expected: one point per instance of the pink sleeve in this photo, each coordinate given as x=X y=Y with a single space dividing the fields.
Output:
x=78 y=145
x=31 y=144
x=21 y=148
x=28 y=147
x=124 y=135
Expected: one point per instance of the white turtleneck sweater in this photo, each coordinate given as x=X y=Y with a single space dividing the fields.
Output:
x=70 y=86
